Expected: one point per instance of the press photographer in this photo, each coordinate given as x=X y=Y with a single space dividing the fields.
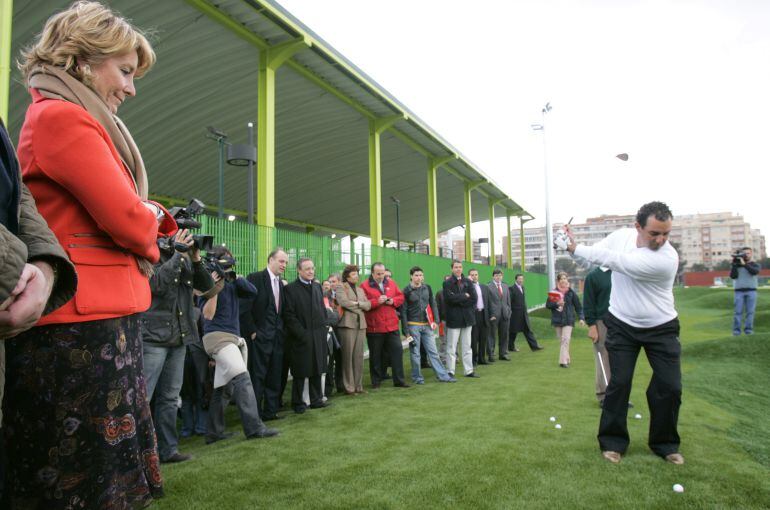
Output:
x=167 y=327
x=744 y=274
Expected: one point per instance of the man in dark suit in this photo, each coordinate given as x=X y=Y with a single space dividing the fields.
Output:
x=480 y=332
x=520 y=317
x=500 y=310
x=262 y=326
x=307 y=324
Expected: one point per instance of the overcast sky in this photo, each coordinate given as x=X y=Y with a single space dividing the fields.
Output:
x=683 y=87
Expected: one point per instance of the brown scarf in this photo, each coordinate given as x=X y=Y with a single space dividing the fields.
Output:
x=55 y=83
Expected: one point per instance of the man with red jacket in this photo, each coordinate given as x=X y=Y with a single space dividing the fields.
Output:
x=382 y=326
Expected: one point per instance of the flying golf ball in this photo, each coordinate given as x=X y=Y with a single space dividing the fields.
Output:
x=552 y=418
x=558 y=426
x=638 y=416
x=678 y=488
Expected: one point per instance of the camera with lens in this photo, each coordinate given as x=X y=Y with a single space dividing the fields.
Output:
x=740 y=257
x=185 y=219
x=221 y=264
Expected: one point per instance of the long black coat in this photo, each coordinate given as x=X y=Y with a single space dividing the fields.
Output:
x=306 y=325
x=519 y=315
x=460 y=309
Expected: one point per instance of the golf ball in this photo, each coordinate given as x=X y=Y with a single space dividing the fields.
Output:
x=678 y=488
x=553 y=419
x=558 y=426
x=638 y=416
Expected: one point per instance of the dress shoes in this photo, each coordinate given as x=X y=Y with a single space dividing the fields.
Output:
x=483 y=363
x=505 y=358
x=538 y=348
x=564 y=365
x=491 y=359
x=300 y=409
x=473 y=375
x=376 y=386
x=214 y=439
x=611 y=456
x=272 y=417
x=404 y=385
x=177 y=457
x=675 y=458
x=263 y=432
x=320 y=405
x=350 y=393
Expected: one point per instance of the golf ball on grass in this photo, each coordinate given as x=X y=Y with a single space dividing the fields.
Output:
x=558 y=426
x=552 y=418
x=678 y=488
x=638 y=416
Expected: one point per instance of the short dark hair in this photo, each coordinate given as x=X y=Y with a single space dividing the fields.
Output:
x=275 y=251
x=350 y=268
x=517 y=275
x=302 y=260
x=747 y=248
x=497 y=271
x=415 y=269
x=333 y=275
x=456 y=261
x=472 y=270
x=659 y=210
x=377 y=264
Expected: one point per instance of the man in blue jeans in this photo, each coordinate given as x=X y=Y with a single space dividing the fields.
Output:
x=167 y=327
x=744 y=274
x=419 y=319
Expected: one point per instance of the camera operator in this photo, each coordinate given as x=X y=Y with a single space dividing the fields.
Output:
x=221 y=330
x=744 y=274
x=167 y=327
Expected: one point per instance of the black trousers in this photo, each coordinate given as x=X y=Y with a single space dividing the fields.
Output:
x=265 y=365
x=479 y=338
x=385 y=346
x=664 y=394
x=499 y=328
x=314 y=388
x=528 y=334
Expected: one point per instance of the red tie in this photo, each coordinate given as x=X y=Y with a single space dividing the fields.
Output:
x=499 y=290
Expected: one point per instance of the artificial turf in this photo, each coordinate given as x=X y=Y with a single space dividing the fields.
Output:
x=488 y=442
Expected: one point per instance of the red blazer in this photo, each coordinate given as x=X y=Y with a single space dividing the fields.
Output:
x=90 y=202
x=382 y=318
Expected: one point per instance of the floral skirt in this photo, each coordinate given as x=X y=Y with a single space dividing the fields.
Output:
x=78 y=428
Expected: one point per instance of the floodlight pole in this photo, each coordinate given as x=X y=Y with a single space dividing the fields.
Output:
x=251 y=176
x=222 y=143
x=548 y=229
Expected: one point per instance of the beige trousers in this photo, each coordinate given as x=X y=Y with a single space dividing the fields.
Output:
x=600 y=351
x=352 y=341
x=564 y=334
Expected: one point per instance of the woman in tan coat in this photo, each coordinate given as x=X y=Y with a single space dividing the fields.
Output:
x=352 y=330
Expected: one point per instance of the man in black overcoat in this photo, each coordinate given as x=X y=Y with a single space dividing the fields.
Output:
x=520 y=317
x=306 y=325
x=262 y=327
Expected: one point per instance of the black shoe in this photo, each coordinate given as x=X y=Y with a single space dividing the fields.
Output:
x=538 y=348
x=473 y=375
x=177 y=457
x=491 y=359
x=483 y=363
x=320 y=405
x=273 y=417
x=214 y=439
x=404 y=385
x=505 y=358
x=300 y=409
x=563 y=365
x=263 y=432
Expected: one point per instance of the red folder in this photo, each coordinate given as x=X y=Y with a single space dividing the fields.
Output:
x=429 y=312
x=554 y=296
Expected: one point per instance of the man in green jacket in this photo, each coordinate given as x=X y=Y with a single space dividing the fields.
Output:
x=596 y=301
x=36 y=277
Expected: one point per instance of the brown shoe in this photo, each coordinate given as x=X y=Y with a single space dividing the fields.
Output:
x=675 y=458
x=611 y=456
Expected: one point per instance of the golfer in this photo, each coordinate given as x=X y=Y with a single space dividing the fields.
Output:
x=641 y=315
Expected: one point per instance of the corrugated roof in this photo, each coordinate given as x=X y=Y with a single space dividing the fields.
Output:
x=207 y=75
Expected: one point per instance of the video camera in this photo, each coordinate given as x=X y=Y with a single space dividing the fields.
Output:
x=185 y=218
x=740 y=257
x=222 y=264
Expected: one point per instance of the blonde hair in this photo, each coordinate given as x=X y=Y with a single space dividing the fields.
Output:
x=88 y=31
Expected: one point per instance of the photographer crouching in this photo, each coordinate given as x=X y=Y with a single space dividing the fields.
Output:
x=167 y=327
x=744 y=274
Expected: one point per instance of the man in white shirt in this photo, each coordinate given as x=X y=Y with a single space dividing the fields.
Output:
x=641 y=315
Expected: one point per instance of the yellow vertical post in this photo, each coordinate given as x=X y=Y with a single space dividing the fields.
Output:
x=521 y=238
x=376 y=128
x=492 y=257
x=6 y=25
x=468 y=221
x=433 y=165
x=508 y=253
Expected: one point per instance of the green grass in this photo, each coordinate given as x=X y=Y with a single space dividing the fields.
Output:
x=487 y=443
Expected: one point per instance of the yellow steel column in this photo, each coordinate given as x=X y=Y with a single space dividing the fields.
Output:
x=6 y=24
x=508 y=253
x=376 y=128
x=521 y=238
x=468 y=221
x=433 y=165
x=492 y=257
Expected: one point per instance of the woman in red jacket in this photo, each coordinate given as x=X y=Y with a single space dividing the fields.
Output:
x=79 y=430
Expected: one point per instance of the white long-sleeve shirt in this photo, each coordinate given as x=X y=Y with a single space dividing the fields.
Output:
x=642 y=279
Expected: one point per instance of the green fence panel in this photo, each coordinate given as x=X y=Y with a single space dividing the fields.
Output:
x=243 y=240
